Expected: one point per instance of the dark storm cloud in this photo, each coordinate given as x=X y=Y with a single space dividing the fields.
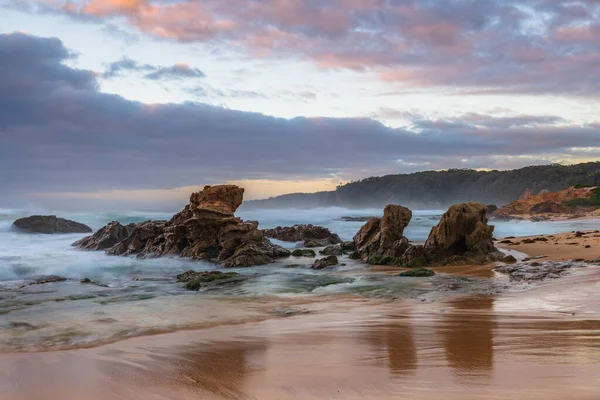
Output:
x=58 y=132
x=479 y=46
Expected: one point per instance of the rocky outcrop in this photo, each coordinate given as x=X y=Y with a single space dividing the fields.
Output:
x=464 y=231
x=491 y=208
x=204 y=280
x=462 y=236
x=381 y=240
x=332 y=250
x=49 y=224
x=569 y=201
x=106 y=237
x=310 y=235
x=206 y=229
x=304 y=253
x=325 y=262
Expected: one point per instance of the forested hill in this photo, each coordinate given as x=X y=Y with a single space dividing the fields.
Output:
x=438 y=189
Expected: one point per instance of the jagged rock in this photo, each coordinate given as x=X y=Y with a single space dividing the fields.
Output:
x=348 y=247
x=383 y=237
x=332 y=250
x=49 y=224
x=491 y=208
x=206 y=229
x=106 y=237
x=304 y=253
x=325 y=262
x=418 y=273
x=311 y=235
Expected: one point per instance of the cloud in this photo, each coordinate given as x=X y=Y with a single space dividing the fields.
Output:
x=59 y=133
x=479 y=46
x=177 y=71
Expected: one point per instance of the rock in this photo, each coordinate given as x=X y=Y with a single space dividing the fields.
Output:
x=509 y=260
x=463 y=230
x=49 y=224
x=311 y=235
x=332 y=250
x=348 y=247
x=304 y=253
x=325 y=262
x=85 y=280
x=200 y=280
x=383 y=237
x=206 y=229
x=528 y=241
x=106 y=237
x=534 y=272
x=418 y=272
x=588 y=246
x=47 y=279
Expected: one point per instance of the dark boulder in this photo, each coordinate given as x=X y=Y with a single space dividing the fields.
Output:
x=49 y=224
x=310 y=235
x=304 y=253
x=325 y=262
x=418 y=273
x=208 y=279
x=332 y=250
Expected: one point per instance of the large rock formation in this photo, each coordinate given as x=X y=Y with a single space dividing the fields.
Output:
x=49 y=224
x=381 y=240
x=206 y=229
x=463 y=231
x=310 y=235
x=461 y=236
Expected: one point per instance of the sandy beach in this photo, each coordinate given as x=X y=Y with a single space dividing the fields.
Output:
x=583 y=245
x=541 y=343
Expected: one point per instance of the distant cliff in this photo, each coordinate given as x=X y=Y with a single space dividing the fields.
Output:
x=439 y=189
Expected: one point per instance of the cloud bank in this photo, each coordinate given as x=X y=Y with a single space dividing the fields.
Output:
x=60 y=133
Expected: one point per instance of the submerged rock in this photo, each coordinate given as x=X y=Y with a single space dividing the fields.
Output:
x=310 y=235
x=206 y=229
x=49 y=224
x=304 y=253
x=356 y=219
x=325 y=262
x=106 y=237
x=418 y=272
x=201 y=280
x=383 y=238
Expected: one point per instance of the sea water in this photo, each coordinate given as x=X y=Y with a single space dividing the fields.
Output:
x=132 y=296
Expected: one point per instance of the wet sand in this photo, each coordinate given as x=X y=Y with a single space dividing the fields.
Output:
x=541 y=344
x=559 y=247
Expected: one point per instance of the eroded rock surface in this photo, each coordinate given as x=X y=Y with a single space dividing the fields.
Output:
x=49 y=224
x=381 y=240
x=106 y=237
x=325 y=262
x=537 y=271
x=310 y=235
x=206 y=229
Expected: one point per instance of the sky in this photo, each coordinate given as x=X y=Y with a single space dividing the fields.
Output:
x=137 y=103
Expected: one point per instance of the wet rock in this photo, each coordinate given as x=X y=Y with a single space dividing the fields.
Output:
x=85 y=280
x=332 y=250
x=206 y=229
x=106 y=237
x=418 y=272
x=325 y=262
x=21 y=325
x=49 y=224
x=304 y=253
x=311 y=235
x=41 y=280
x=383 y=237
x=535 y=272
x=348 y=247
x=201 y=280
x=509 y=260
x=491 y=208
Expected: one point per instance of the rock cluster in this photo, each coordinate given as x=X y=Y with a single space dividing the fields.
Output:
x=462 y=236
x=310 y=235
x=536 y=271
x=49 y=224
x=206 y=229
